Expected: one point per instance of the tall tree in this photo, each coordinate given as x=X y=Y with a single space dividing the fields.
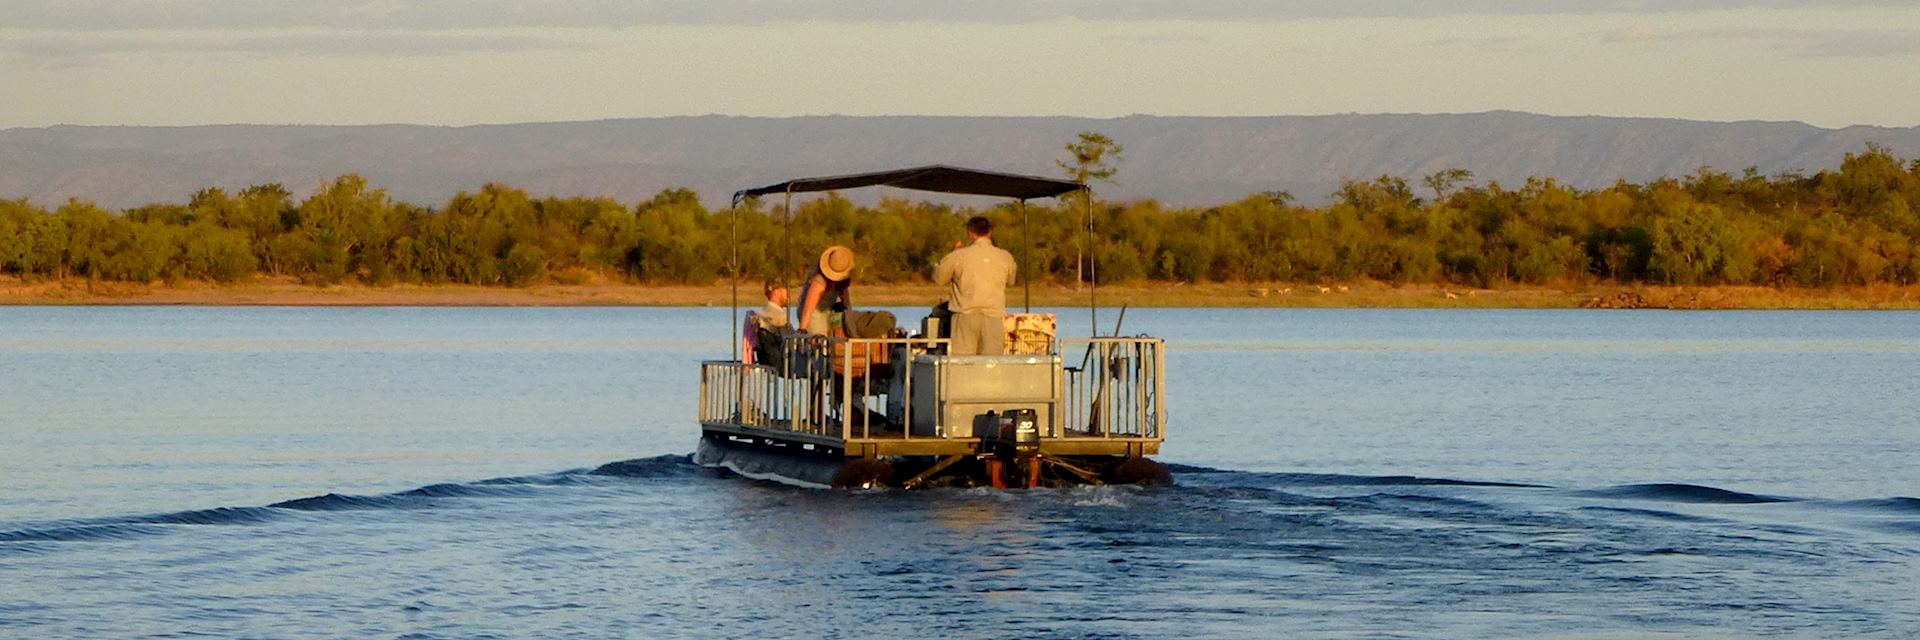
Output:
x=1093 y=157
x=1445 y=180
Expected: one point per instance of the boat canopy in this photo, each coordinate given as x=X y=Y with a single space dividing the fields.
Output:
x=940 y=178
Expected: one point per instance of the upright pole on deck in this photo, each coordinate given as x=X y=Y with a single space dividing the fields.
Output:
x=733 y=270
x=786 y=240
x=734 y=336
x=1026 y=257
x=1093 y=275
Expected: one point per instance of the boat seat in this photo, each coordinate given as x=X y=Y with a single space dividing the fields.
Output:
x=863 y=358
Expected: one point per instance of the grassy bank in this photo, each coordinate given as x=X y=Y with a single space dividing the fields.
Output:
x=278 y=291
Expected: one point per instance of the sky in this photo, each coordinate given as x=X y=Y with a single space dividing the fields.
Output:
x=1831 y=63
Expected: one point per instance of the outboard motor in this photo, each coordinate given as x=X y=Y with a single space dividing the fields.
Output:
x=1015 y=440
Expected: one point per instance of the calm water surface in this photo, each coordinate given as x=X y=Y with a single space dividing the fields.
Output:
x=467 y=473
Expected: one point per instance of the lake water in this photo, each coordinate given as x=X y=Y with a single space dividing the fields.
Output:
x=519 y=473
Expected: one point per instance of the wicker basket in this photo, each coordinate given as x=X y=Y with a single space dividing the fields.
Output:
x=1030 y=333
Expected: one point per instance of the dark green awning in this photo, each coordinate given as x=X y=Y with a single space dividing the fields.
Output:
x=940 y=178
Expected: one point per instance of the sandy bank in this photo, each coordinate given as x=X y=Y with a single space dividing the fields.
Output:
x=269 y=291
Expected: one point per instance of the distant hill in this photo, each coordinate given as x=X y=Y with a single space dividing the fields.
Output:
x=1184 y=160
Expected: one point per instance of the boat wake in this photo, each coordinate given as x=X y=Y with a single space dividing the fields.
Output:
x=427 y=497
x=1198 y=488
x=1668 y=492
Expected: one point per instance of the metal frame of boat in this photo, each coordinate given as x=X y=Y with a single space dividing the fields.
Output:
x=898 y=412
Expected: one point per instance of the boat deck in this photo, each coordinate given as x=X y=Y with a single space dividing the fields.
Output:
x=899 y=443
x=860 y=398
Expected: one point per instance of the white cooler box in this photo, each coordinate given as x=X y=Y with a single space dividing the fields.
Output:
x=952 y=393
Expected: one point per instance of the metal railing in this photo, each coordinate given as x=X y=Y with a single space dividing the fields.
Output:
x=745 y=394
x=820 y=386
x=1119 y=389
x=831 y=387
x=861 y=378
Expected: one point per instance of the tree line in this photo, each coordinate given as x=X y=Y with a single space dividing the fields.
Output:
x=1855 y=224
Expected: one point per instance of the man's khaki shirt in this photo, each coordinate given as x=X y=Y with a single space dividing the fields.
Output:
x=980 y=274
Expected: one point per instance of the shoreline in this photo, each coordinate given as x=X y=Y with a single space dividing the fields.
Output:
x=287 y=292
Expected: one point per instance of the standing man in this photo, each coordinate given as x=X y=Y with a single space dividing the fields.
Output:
x=979 y=274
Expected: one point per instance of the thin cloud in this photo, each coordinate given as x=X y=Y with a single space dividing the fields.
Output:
x=1806 y=43
x=66 y=49
x=1163 y=37
x=1887 y=44
x=111 y=15
x=1488 y=43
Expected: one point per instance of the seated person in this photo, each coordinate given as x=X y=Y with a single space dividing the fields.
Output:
x=770 y=318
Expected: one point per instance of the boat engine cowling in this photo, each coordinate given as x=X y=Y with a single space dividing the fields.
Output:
x=1016 y=433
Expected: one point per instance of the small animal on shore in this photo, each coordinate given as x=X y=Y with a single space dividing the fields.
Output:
x=1451 y=295
x=1344 y=288
x=1325 y=290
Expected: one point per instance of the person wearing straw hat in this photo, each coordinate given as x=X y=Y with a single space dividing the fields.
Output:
x=826 y=291
x=979 y=274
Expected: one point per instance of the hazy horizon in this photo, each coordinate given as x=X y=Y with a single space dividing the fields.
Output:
x=800 y=116
x=1829 y=63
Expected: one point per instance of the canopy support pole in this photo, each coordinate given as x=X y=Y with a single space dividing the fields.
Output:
x=1026 y=257
x=1093 y=274
x=733 y=270
x=786 y=239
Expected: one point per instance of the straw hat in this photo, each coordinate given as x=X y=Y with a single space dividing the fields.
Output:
x=836 y=263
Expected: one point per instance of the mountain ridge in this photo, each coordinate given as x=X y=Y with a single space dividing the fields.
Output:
x=1177 y=159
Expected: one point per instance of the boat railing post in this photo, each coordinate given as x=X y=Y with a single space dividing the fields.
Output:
x=1160 y=391
x=795 y=396
x=757 y=388
x=866 y=387
x=795 y=386
x=776 y=400
x=729 y=394
x=906 y=391
x=1108 y=385
x=1083 y=399
x=1095 y=373
x=1110 y=397
x=810 y=402
x=1149 y=356
x=1125 y=382
x=846 y=396
x=1056 y=418
x=1080 y=417
x=1139 y=389
x=1069 y=418
x=823 y=394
